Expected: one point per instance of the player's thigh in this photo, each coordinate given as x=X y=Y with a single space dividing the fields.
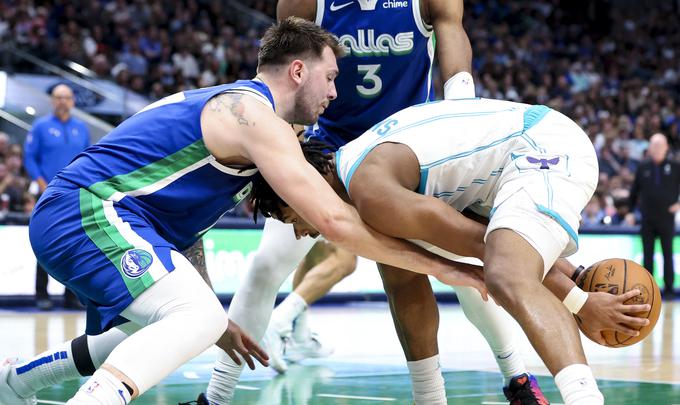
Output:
x=521 y=238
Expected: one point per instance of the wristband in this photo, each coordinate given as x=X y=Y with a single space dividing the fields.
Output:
x=575 y=300
x=577 y=273
x=459 y=86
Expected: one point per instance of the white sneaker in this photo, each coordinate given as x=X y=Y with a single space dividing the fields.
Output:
x=311 y=348
x=7 y=394
x=275 y=345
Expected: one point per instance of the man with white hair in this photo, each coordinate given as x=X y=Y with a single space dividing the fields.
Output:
x=53 y=142
x=655 y=191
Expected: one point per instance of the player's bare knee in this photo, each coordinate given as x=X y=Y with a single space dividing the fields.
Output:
x=398 y=281
x=504 y=285
x=347 y=263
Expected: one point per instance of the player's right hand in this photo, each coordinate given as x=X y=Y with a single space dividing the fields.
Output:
x=236 y=340
x=603 y=311
x=466 y=275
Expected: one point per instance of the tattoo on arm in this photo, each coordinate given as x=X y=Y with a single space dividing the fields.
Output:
x=230 y=102
x=196 y=257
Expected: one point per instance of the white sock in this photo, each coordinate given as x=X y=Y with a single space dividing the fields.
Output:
x=578 y=386
x=103 y=388
x=284 y=315
x=44 y=370
x=427 y=380
x=497 y=327
x=510 y=363
x=277 y=256
x=224 y=378
x=301 y=331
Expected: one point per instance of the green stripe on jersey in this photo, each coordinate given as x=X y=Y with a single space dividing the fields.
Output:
x=107 y=238
x=151 y=173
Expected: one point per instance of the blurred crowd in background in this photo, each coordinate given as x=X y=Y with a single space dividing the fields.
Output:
x=615 y=70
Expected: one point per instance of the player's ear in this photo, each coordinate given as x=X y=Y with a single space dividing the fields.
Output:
x=297 y=71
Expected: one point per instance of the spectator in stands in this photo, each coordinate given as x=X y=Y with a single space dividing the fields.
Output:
x=657 y=187
x=4 y=145
x=52 y=143
x=603 y=68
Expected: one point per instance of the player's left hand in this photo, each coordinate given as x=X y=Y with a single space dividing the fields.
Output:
x=234 y=339
x=603 y=311
x=466 y=275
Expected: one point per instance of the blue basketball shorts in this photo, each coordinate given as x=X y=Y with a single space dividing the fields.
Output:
x=104 y=252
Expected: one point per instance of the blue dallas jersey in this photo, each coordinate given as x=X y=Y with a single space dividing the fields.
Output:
x=156 y=165
x=387 y=67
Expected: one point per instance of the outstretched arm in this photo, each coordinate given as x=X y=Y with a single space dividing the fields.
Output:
x=240 y=129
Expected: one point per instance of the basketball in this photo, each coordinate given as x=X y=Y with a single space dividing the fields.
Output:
x=617 y=276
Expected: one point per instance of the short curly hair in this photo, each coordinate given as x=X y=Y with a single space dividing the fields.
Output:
x=264 y=199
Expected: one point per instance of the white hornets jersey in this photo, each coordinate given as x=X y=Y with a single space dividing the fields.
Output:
x=463 y=147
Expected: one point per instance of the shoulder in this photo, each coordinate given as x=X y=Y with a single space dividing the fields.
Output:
x=79 y=122
x=42 y=122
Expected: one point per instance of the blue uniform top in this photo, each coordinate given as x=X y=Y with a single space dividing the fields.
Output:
x=52 y=144
x=387 y=67
x=156 y=165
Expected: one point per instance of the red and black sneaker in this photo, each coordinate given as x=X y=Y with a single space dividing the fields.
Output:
x=524 y=390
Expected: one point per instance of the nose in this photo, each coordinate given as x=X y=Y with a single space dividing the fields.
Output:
x=332 y=94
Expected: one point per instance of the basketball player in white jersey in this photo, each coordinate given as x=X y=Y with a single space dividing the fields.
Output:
x=395 y=43
x=529 y=169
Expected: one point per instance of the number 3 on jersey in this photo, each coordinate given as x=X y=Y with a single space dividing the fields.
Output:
x=371 y=78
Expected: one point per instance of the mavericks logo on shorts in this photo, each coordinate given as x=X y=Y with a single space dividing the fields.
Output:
x=135 y=262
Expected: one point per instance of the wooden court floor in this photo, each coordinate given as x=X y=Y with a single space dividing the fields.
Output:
x=368 y=367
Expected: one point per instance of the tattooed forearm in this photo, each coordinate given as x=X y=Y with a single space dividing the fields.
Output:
x=196 y=256
x=230 y=102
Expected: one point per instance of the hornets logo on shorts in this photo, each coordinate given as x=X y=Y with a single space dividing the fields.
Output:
x=135 y=262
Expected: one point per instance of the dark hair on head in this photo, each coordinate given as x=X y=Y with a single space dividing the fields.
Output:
x=295 y=38
x=264 y=199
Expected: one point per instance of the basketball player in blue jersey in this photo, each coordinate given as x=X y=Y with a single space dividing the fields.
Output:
x=111 y=225
x=390 y=49
x=528 y=169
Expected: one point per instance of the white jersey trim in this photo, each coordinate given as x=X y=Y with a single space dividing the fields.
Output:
x=320 y=8
x=246 y=91
x=423 y=27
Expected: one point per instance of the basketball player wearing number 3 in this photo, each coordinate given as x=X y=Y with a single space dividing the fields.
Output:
x=390 y=48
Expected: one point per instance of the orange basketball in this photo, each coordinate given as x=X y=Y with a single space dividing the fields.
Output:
x=617 y=276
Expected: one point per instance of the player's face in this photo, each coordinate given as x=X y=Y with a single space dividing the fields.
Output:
x=318 y=91
x=301 y=227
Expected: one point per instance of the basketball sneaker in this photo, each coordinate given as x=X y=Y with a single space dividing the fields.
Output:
x=201 y=400
x=275 y=344
x=524 y=390
x=7 y=394
x=310 y=348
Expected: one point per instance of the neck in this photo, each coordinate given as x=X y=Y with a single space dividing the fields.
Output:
x=63 y=117
x=283 y=99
